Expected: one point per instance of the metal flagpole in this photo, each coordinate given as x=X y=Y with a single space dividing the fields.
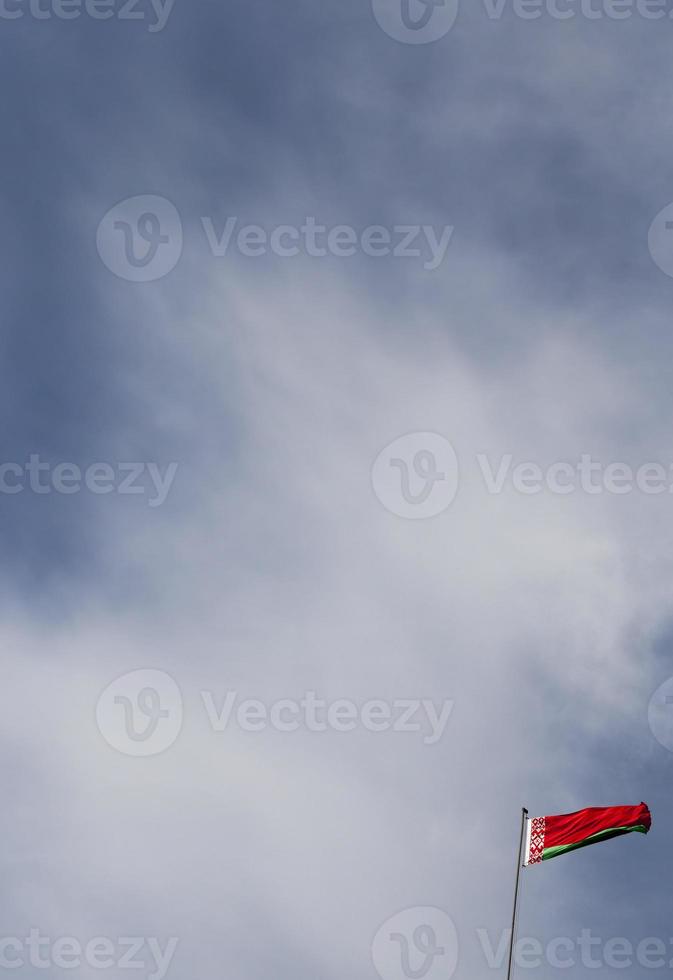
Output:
x=524 y=814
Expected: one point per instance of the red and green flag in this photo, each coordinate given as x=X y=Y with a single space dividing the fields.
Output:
x=547 y=837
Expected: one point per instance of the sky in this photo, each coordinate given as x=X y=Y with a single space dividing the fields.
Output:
x=335 y=485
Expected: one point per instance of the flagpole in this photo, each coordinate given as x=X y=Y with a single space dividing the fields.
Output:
x=524 y=814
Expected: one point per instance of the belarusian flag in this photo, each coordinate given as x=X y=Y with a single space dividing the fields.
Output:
x=547 y=837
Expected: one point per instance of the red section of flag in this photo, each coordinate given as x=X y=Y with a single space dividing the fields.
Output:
x=571 y=828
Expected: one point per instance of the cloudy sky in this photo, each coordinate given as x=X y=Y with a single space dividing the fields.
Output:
x=336 y=359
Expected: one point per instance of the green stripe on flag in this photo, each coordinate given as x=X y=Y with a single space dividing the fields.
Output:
x=552 y=852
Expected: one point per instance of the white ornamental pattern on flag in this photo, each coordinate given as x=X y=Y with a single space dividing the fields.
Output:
x=537 y=831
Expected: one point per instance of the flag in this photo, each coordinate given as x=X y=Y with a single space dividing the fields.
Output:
x=547 y=837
